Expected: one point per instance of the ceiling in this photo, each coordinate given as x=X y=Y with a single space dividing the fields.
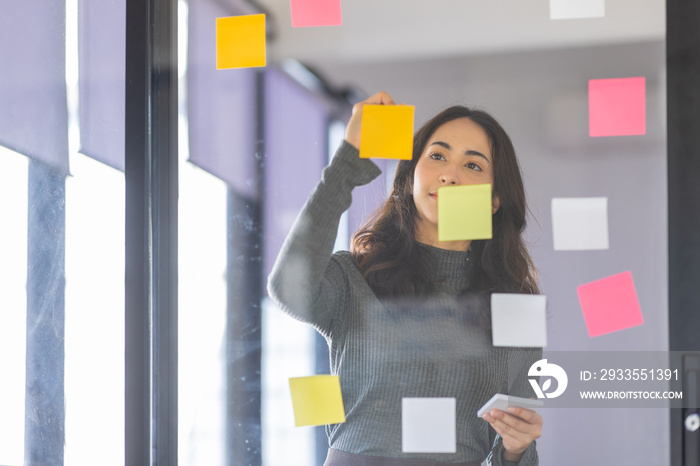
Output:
x=381 y=30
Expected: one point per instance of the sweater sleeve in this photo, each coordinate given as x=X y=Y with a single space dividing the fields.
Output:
x=307 y=281
x=529 y=458
x=519 y=362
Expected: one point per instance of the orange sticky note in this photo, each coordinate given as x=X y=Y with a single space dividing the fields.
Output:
x=464 y=212
x=240 y=42
x=610 y=304
x=387 y=132
x=317 y=400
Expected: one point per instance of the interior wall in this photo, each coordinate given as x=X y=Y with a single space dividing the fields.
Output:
x=541 y=99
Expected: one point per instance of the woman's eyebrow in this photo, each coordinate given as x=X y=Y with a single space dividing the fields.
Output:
x=477 y=153
x=443 y=144
x=469 y=152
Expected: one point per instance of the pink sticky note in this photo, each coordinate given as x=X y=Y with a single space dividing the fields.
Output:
x=617 y=107
x=309 y=13
x=610 y=304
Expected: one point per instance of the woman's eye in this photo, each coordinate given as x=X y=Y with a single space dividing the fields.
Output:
x=473 y=166
x=437 y=156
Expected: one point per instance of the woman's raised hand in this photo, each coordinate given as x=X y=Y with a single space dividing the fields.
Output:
x=352 y=131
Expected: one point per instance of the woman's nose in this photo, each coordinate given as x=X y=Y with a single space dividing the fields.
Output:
x=449 y=178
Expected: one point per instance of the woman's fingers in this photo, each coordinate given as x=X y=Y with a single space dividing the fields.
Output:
x=527 y=421
x=511 y=435
x=525 y=414
x=515 y=416
x=509 y=424
x=382 y=98
x=352 y=131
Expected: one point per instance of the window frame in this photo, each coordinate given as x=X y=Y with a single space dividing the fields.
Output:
x=151 y=164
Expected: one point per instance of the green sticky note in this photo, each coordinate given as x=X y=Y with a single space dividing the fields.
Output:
x=387 y=132
x=464 y=212
x=317 y=400
x=240 y=42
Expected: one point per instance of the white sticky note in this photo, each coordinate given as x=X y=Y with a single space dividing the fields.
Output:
x=580 y=223
x=576 y=9
x=519 y=320
x=429 y=425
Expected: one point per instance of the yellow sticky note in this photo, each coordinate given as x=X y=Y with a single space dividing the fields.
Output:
x=464 y=212
x=387 y=132
x=317 y=400
x=240 y=42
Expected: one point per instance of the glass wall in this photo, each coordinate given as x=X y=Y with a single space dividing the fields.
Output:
x=528 y=65
x=253 y=144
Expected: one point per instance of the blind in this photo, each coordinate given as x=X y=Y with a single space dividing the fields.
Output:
x=102 y=68
x=33 y=102
x=221 y=104
x=296 y=146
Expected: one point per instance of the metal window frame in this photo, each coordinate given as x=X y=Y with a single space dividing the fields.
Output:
x=151 y=164
x=683 y=119
x=45 y=411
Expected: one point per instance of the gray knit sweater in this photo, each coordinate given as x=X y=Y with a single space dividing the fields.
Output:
x=386 y=350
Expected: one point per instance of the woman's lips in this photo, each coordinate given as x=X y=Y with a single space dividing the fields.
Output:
x=433 y=195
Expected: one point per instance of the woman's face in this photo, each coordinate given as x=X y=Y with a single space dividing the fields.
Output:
x=457 y=153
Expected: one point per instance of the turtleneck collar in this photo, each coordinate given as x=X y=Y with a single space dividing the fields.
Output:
x=448 y=268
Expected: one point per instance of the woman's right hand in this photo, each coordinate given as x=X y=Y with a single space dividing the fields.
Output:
x=352 y=131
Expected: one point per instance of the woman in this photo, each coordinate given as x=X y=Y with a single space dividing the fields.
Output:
x=406 y=315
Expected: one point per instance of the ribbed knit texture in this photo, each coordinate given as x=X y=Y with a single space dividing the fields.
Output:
x=386 y=350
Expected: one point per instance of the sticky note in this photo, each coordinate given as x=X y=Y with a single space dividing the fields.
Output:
x=429 y=425
x=518 y=320
x=610 y=304
x=617 y=107
x=576 y=9
x=240 y=42
x=387 y=132
x=464 y=212
x=580 y=223
x=310 y=13
x=317 y=400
